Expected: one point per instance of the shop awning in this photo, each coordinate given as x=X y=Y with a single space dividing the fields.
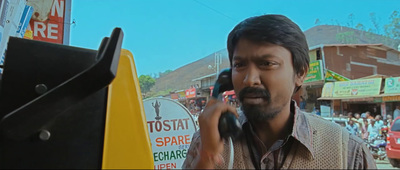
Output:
x=358 y=97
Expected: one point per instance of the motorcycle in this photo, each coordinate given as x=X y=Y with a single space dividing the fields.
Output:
x=377 y=147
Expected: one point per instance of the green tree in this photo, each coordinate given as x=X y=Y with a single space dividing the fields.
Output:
x=360 y=26
x=375 y=22
x=347 y=37
x=350 y=23
x=146 y=83
x=161 y=74
x=392 y=29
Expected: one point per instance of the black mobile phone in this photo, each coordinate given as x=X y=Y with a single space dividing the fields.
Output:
x=228 y=125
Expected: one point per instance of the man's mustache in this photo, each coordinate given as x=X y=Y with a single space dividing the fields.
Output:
x=254 y=92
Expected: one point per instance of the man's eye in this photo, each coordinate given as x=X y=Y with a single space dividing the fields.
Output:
x=237 y=65
x=267 y=63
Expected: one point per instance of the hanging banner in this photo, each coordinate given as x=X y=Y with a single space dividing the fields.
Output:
x=315 y=73
x=364 y=87
x=50 y=21
x=392 y=85
x=171 y=128
x=332 y=76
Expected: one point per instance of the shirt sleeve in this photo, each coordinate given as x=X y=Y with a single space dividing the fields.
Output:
x=192 y=153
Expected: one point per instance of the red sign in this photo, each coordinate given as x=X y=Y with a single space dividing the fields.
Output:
x=48 y=20
x=190 y=93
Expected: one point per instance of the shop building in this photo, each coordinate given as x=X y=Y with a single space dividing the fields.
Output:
x=377 y=94
x=342 y=62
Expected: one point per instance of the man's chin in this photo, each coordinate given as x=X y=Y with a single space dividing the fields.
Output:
x=255 y=113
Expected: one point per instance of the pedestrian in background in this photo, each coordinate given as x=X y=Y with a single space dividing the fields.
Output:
x=303 y=103
x=373 y=130
x=352 y=128
x=364 y=130
x=389 y=120
x=379 y=121
x=396 y=112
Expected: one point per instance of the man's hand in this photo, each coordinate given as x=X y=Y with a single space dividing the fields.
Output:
x=211 y=142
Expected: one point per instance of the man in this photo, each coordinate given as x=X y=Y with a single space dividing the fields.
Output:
x=389 y=120
x=368 y=116
x=378 y=121
x=352 y=128
x=269 y=61
x=358 y=118
x=373 y=130
x=358 y=121
x=303 y=103
x=396 y=112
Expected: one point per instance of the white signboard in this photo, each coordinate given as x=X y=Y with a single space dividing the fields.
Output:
x=13 y=18
x=325 y=111
x=171 y=128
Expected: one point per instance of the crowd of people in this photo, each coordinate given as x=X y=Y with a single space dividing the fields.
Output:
x=368 y=127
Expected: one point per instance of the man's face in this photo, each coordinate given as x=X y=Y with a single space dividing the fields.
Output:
x=263 y=78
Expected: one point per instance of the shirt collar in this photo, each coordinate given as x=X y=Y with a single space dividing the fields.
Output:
x=302 y=132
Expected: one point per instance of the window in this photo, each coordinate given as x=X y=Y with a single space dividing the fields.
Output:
x=396 y=126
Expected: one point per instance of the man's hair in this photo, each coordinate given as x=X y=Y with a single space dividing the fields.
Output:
x=274 y=29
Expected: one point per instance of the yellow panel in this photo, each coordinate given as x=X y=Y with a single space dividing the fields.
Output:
x=126 y=139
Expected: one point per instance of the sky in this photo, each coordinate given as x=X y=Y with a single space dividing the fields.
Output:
x=168 y=34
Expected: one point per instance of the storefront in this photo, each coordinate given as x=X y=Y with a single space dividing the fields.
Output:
x=391 y=96
x=361 y=95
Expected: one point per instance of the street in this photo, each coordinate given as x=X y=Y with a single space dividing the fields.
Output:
x=384 y=164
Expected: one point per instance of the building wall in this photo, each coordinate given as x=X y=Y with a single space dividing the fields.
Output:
x=360 y=61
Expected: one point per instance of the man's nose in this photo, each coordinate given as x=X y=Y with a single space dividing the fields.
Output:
x=252 y=78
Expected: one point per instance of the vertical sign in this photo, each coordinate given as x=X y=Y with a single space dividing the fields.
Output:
x=50 y=20
x=171 y=128
x=383 y=110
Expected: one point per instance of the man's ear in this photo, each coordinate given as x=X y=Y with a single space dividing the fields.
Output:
x=300 y=77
